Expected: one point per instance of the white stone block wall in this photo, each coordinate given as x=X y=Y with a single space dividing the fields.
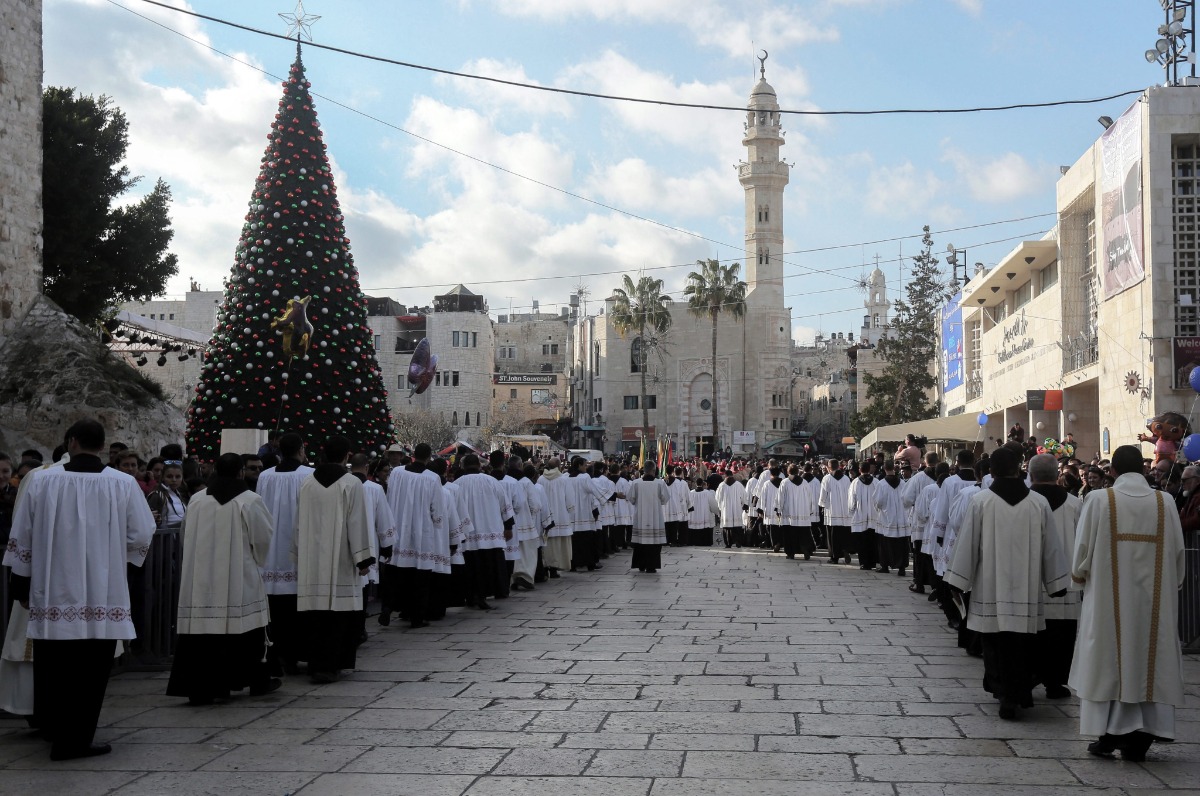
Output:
x=20 y=158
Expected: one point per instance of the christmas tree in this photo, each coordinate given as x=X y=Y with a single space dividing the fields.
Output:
x=292 y=349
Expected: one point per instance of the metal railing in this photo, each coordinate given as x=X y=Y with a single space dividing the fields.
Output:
x=1189 y=601
x=154 y=603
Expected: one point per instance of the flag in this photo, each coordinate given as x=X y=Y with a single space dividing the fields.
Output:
x=642 y=455
x=661 y=453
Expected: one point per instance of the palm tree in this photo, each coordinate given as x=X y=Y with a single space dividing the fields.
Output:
x=641 y=308
x=712 y=290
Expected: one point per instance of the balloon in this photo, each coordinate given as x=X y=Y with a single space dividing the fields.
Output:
x=1191 y=445
x=982 y=419
x=421 y=368
x=297 y=329
x=1040 y=425
x=1194 y=379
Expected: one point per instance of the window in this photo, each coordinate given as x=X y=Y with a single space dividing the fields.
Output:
x=508 y=352
x=172 y=316
x=378 y=340
x=597 y=404
x=437 y=379
x=774 y=423
x=512 y=394
x=1049 y=276
x=399 y=381
x=631 y=402
x=876 y=320
x=454 y=419
x=636 y=358
x=1022 y=295
x=477 y=419
x=454 y=378
x=467 y=418
x=475 y=344
x=454 y=339
x=549 y=349
x=651 y=401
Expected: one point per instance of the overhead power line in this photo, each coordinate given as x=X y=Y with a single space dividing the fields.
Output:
x=643 y=100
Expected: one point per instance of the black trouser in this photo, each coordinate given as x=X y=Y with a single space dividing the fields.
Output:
x=1055 y=648
x=583 y=549
x=676 y=530
x=69 y=681
x=601 y=542
x=732 y=535
x=415 y=594
x=840 y=542
x=867 y=549
x=893 y=551
x=1008 y=666
x=331 y=638
x=485 y=574
x=922 y=566
x=819 y=530
x=285 y=645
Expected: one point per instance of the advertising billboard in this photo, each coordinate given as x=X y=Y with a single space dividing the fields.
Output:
x=1122 y=264
x=952 y=344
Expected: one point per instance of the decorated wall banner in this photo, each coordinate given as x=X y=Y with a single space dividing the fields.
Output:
x=743 y=438
x=952 y=343
x=1122 y=262
x=1185 y=356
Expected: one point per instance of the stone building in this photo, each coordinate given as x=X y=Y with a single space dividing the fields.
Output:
x=20 y=159
x=1095 y=328
x=530 y=381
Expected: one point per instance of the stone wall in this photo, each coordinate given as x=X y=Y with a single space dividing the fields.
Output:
x=20 y=159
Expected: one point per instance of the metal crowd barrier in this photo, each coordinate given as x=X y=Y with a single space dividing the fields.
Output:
x=1189 y=602
x=154 y=603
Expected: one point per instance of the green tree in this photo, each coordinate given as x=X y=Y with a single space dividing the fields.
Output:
x=292 y=348
x=902 y=392
x=97 y=255
x=642 y=308
x=711 y=291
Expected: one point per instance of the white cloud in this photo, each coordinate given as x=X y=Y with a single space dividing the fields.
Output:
x=726 y=25
x=972 y=7
x=902 y=190
x=498 y=97
x=635 y=185
x=1002 y=179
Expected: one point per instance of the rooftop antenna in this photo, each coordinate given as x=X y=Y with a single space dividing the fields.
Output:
x=583 y=291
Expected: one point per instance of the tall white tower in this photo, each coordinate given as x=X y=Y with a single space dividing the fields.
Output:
x=878 y=308
x=764 y=176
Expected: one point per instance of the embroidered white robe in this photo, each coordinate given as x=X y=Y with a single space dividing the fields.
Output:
x=648 y=499
x=730 y=499
x=484 y=501
x=220 y=586
x=331 y=539
x=281 y=494
x=423 y=541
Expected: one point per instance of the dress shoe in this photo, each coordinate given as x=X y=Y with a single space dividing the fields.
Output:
x=322 y=678
x=385 y=618
x=900 y=573
x=1103 y=747
x=262 y=690
x=415 y=625
x=554 y=573
x=483 y=605
x=76 y=752
x=1008 y=710
x=1057 y=692
x=200 y=701
x=882 y=570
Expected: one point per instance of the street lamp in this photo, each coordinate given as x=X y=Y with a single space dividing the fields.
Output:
x=957 y=258
x=1177 y=41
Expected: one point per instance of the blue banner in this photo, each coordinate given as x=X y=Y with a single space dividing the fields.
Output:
x=952 y=343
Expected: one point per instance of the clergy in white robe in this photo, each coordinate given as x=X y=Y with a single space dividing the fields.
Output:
x=423 y=541
x=498 y=469
x=675 y=513
x=923 y=574
x=333 y=549
x=1056 y=644
x=608 y=509
x=812 y=480
x=648 y=496
x=526 y=528
x=624 y=511
x=74 y=530
x=587 y=518
x=891 y=528
x=912 y=491
x=797 y=509
x=834 y=503
x=750 y=516
x=223 y=615
x=1006 y=554
x=279 y=487
x=862 y=517
x=731 y=503
x=1129 y=559
x=605 y=498
x=560 y=499
x=484 y=502
x=703 y=519
x=768 y=509
x=964 y=477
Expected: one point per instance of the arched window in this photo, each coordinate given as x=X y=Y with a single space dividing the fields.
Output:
x=876 y=320
x=476 y=418
x=466 y=418
x=766 y=214
x=454 y=419
x=636 y=356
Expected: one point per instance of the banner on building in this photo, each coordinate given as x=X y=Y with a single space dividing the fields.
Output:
x=1185 y=355
x=1044 y=400
x=743 y=438
x=952 y=343
x=550 y=379
x=1121 y=258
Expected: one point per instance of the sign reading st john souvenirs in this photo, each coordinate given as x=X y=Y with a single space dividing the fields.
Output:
x=525 y=378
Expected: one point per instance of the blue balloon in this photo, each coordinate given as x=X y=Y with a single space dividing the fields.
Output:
x=1194 y=379
x=983 y=418
x=1191 y=447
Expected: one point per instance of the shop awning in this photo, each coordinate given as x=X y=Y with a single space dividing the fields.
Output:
x=960 y=428
x=591 y=428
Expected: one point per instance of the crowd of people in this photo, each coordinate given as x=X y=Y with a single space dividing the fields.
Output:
x=279 y=547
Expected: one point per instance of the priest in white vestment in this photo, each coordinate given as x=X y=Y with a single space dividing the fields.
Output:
x=587 y=517
x=812 y=479
x=862 y=517
x=834 y=502
x=279 y=487
x=923 y=574
x=891 y=528
x=381 y=524
x=1056 y=644
x=526 y=528
x=704 y=516
x=422 y=543
x=333 y=549
x=731 y=503
x=648 y=496
x=796 y=510
x=675 y=513
x=769 y=514
x=912 y=491
x=560 y=498
x=484 y=504
x=1129 y=559
x=223 y=616
x=624 y=510
x=1007 y=552
x=74 y=530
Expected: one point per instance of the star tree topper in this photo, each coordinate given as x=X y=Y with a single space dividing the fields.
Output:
x=299 y=23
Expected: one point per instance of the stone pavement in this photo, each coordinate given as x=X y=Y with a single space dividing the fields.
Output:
x=727 y=673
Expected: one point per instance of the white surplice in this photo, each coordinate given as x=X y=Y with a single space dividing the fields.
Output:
x=796 y=505
x=888 y=502
x=835 y=499
x=560 y=497
x=954 y=519
x=913 y=488
x=382 y=524
x=858 y=503
x=423 y=539
x=73 y=533
x=1127 y=668
x=1066 y=518
x=220 y=587
x=280 y=492
x=705 y=513
x=768 y=502
x=648 y=499
x=623 y=509
x=331 y=539
x=1008 y=557
x=484 y=501
x=731 y=496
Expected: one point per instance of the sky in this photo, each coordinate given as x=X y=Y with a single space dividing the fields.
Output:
x=524 y=195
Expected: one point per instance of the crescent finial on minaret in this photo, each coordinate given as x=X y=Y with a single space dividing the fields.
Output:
x=762 y=64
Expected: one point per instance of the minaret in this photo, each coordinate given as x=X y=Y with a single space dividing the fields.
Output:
x=764 y=176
